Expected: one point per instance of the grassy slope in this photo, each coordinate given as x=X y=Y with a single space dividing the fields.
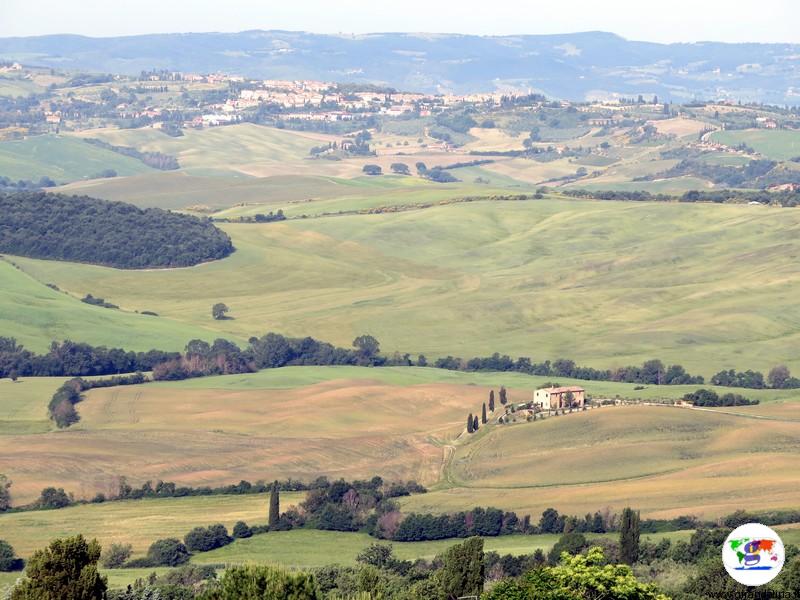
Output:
x=605 y=283
x=776 y=144
x=357 y=422
x=37 y=315
x=61 y=158
x=136 y=522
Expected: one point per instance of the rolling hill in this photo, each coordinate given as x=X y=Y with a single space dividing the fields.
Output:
x=571 y=66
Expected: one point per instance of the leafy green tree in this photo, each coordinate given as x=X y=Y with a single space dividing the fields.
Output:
x=400 y=169
x=274 y=505
x=629 y=536
x=372 y=170
x=219 y=310
x=551 y=522
x=169 y=552
x=581 y=577
x=572 y=543
x=65 y=570
x=462 y=569
x=116 y=555
x=367 y=346
x=778 y=376
x=242 y=530
x=8 y=560
x=53 y=498
x=713 y=581
x=377 y=555
x=261 y=582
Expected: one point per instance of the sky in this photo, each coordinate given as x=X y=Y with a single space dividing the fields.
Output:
x=649 y=20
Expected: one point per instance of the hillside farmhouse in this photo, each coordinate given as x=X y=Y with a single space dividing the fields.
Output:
x=554 y=398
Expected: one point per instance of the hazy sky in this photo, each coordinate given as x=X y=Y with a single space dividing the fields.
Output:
x=652 y=20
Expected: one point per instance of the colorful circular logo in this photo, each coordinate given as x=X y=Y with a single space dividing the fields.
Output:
x=753 y=554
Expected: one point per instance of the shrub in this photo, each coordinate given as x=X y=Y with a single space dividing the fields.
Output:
x=260 y=581
x=203 y=539
x=116 y=555
x=53 y=498
x=169 y=552
x=242 y=530
x=8 y=560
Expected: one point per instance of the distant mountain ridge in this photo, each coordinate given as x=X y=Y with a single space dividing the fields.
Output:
x=575 y=66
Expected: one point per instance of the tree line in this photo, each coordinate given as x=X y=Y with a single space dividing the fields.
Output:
x=653 y=372
x=155 y=160
x=787 y=198
x=114 y=234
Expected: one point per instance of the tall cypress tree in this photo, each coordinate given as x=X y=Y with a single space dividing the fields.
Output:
x=274 y=505
x=491 y=401
x=629 y=536
x=503 y=398
x=483 y=414
x=469 y=423
x=475 y=424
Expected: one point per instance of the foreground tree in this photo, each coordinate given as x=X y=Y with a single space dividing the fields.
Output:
x=219 y=310
x=65 y=570
x=260 y=582
x=462 y=569
x=274 y=505
x=629 y=536
x=577 y=577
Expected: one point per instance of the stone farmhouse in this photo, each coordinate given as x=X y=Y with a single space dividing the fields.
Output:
x=554 y=398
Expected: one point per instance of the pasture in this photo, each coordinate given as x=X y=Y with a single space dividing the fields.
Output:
x=62 y=158
x=36 y=315
x=406 y=423
x=775 y=144
x=604 y=283
x=136 y=522
x=671 y=461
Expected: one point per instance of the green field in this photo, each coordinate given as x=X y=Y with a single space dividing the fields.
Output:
x=61 y=158
x=36 y=315
x=776 y=144
x=244 y=149
x=135 y=522
x=604 y=283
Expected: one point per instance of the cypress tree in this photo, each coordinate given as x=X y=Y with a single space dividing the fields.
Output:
x=483 y=414
x=503 y=398
x=469 y=423
x=491 y=401
x=475 y=423
x=274 y=505
x=629 y=536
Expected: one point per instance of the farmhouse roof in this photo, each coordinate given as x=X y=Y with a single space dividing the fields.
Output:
x=561 y=390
